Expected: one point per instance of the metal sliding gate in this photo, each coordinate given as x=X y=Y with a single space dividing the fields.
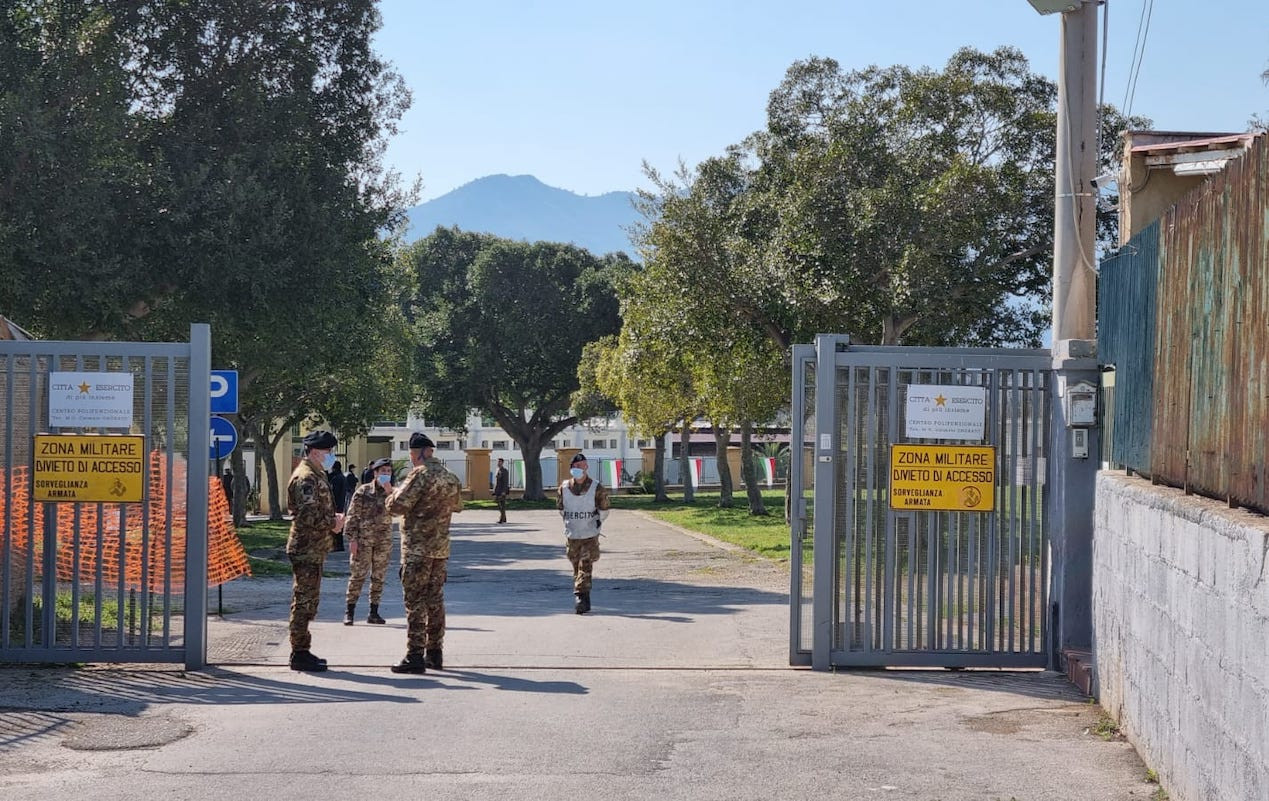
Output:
x=919 y=537
x=103 y=512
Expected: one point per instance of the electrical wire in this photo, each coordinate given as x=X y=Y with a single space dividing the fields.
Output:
x=1101 y=89
x=1144 y=35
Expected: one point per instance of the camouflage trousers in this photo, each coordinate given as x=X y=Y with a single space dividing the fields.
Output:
x=423 y=584
x=583 y=554
x=371 y=560
x=305 y=591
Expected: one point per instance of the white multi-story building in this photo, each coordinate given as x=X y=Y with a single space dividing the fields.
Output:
x=603 y=440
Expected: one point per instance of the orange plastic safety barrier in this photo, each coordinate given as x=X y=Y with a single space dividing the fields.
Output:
x=127 y=539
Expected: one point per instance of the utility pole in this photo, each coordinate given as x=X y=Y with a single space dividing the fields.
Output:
x=1075 y=207
x=1075 y=445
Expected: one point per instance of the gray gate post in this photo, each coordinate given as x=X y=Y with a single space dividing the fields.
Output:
x=1069 y=506
x=196 y=500
x=824 y=547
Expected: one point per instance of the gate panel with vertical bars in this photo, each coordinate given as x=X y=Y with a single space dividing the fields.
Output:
x=898 y=587
x=107 y=582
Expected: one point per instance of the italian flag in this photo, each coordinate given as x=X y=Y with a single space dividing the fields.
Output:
x=517 y=473
x=695 y=466
x=769 y=468
x=610 y=473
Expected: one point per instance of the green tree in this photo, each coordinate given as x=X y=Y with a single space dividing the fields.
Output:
x=171 y=162
x=76 y=199
x=501 y=326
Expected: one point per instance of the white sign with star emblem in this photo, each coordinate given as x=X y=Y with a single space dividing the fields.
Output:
x=943 y=412
x=90 y=400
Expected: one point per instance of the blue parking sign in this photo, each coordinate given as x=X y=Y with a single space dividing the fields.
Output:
x=224 y=391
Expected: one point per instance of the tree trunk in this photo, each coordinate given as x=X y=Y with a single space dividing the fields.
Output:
x=722 y=441
x=752 y=489
x=265 y=454
x=531 y=434
x=658 y=469
x=239 y=487
x=532 y=451
x=685 y=464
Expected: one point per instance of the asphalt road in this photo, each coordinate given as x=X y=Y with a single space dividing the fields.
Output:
x=676 y=686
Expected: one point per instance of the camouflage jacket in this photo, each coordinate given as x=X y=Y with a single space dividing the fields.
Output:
x=312 y=508
x=368 y=519
x=427 y=498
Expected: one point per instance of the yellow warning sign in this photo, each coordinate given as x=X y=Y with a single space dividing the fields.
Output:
x=77 y=468
x=960 y=478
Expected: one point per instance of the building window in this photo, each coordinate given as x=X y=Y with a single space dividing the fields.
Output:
x=445 y=445
x=500 y=444
x=403 y=444
x=515 y=446
x=612 y=443
x=484 y=443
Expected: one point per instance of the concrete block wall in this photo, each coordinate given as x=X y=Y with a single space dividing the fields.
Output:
x=1181 y=635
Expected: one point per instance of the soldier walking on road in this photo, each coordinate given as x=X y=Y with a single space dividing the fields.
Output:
x=427 y=498
x=313 y=526
x=368 y=534
x=583 y=502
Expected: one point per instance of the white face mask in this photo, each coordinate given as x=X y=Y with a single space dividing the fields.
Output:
x=384 y=480
x=577 y=473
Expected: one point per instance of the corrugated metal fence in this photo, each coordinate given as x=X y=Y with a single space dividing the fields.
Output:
x=1191 y=345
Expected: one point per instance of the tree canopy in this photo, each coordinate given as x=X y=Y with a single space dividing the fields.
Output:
x=168 y=162
x=501 y=326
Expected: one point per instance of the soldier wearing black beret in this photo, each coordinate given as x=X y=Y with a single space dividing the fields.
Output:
x=583 y=503
x=313 y=525
x=427 y=498
x=368 y=530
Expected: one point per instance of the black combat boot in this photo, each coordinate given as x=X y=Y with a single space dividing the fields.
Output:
x=583 y=602
x=304 y=660
x=373 y=617
x=348 y=614
x=433 y=659
x=412 y=663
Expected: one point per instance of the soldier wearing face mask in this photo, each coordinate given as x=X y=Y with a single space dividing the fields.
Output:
x=368 y=532
x=583 y=502
x=313 y=526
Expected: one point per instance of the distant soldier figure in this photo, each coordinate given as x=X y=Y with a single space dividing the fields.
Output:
x=502 y=488
x=313 y=526
x=583 y=503
x=368 y=535
x=428 y=497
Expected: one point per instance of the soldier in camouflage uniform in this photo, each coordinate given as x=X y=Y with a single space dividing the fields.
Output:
x=583 y=503
x=313 y=526
x=368 y=533
x=428 y=497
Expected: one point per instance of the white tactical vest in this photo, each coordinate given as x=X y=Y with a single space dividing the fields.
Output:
x=581 y=518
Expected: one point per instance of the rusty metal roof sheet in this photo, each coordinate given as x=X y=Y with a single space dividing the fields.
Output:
x=1202 y=142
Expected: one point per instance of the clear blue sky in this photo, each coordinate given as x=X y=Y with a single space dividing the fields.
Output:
x=579 y=93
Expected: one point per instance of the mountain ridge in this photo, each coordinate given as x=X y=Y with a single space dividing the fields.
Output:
x=523 y=207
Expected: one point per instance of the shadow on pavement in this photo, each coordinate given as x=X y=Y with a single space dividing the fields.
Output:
x=536 y=591
x=434 y=678
x=63 y=693
x=1031 y=683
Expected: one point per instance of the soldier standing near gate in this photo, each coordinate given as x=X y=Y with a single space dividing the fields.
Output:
x=313 y=526
x=427 y=498
x=368 y=532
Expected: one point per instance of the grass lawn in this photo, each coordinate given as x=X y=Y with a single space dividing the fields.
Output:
x=267 y=539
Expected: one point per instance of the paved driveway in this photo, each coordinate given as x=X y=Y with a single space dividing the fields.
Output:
x=675 y=687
